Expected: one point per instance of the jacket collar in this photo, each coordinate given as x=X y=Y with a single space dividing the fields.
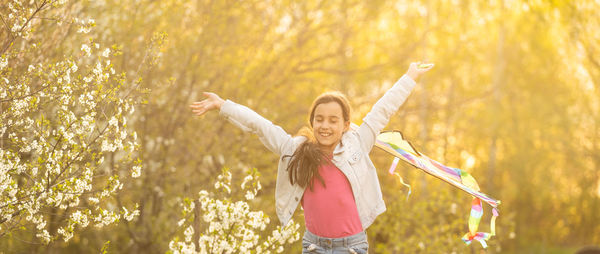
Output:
x=341 y=147
x=345 y=140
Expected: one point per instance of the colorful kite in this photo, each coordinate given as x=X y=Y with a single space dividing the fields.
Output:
x=394 y=143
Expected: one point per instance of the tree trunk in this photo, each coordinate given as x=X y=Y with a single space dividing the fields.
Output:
x=497 y=83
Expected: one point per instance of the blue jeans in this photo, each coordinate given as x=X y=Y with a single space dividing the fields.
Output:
x=357 y=243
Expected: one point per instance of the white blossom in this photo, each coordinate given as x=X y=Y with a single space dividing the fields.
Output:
x=136 y=171
x=93 y=200
x=3 y=64
x=85 y=26
x=74 y=67
x=16 y=27
x=44 y=236
x=66 y=233
x=189 y=232
x=108 y=147
x=80 y=218
x=86 y=49
x=113 y=121
x=232 y=226
x=130 y=215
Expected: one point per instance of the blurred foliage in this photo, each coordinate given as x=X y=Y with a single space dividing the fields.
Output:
x=513 y=99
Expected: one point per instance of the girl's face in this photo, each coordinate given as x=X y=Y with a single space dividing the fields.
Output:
x=329 y=125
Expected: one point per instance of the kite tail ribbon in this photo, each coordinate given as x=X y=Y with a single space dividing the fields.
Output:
x=394 y=143
x=392 y=169
x=474 y=219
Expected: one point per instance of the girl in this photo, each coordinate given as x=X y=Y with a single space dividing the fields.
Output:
x=331 y=158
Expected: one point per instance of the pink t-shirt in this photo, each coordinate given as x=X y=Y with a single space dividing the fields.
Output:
x=331 y=211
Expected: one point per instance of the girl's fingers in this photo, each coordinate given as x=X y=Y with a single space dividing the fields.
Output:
x=200 y=108
x=209 y=103
x=426 y=68
x=199 y=104
x=196 y=105
x=199 y=111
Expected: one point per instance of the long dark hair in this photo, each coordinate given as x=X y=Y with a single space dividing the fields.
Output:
x=307 y=158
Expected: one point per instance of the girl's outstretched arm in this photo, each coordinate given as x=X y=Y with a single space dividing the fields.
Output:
x=272 y=136
x=387 y=105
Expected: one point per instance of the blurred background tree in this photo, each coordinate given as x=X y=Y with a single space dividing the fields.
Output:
x=513 y=99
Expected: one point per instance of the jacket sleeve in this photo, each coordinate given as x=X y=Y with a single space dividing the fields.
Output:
x=272 y=136
x=380 y=114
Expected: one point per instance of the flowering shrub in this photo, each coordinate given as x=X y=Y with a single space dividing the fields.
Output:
x=61 y=118
x=211 y=225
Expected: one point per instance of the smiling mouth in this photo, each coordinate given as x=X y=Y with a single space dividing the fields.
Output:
x=325 y=134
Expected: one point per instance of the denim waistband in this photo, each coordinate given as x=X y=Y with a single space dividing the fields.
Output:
x=336 y=242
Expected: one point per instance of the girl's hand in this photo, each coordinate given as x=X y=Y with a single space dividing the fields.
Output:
x=211 y=102
x=416 y=69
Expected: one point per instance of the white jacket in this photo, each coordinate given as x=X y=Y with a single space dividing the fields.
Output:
x=351 y=156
